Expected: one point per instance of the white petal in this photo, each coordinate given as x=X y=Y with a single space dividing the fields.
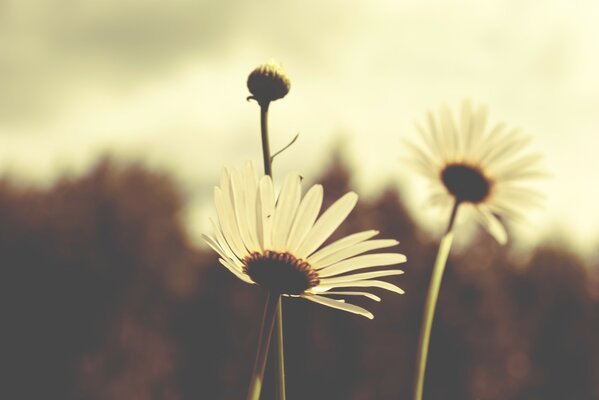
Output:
x=426 y=169
x=510 y=144
x=492 y=225
x=215 y=246
x=360 y=277
x=328 y=222
x=437 y=137
x=340 y=245
x=339 y=305
x=305 y=217
x=480 y=123
x=449 y=131
x=352 y=251
x=236 y=271
x=420 y=157
x=347 y=293
x=241 y=216
x=226 y=217
x=506 y=210
x=488 y=143
x=431 y=144
x=251 y=194
x=360 y=262
x=522 y=167
x=367 y=283
x=220 y=239
x=265 y=209
x=287 y=204
x=466 y=125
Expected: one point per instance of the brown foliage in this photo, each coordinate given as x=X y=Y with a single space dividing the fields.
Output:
x=104 y=298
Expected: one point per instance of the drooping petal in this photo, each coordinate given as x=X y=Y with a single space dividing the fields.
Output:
x=226 y=218
x=216 y=247
x=492 y=225
x=339 y=305
x=348 y=293
x=235 y=271
x=367 y=283
x=220 y=239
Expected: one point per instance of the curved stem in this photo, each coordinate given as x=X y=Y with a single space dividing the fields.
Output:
x=431 y=303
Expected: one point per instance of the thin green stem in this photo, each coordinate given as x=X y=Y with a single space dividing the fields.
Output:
x=431 y=303
x=268 y=318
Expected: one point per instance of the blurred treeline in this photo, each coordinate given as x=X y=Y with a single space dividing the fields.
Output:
x=105 y=297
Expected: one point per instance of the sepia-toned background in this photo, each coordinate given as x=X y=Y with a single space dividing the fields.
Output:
x=116 y=118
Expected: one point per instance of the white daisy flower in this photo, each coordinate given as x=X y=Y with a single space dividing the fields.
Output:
x=276 y=243
x=485 y=172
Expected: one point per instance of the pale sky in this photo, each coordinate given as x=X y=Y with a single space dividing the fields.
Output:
x=164 y=82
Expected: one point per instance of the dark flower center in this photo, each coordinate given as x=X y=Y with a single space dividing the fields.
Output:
x=466 y=183
x=280 y=272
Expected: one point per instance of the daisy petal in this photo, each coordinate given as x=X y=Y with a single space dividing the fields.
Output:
x=215 y=246
x=339 y=305
x=237 y=189
x=305 y=217
x=328 y=222
x=493 y=225
x=265 y=209
x=347 y=293
x=227 y=222
x=287 y=204
x=220 y=239
x=362 y=262
x=250 y=192
x=340 y=245
x=353 y=251
x=367 y=283
x=360 y=277
x=235 y=271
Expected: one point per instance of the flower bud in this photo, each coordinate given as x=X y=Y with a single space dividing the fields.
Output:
x=268 y=82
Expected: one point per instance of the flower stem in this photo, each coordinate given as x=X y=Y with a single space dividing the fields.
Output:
x=268 y=318
x=265 y=142
x=278 y=314
x=431 y=303
x=280 y=353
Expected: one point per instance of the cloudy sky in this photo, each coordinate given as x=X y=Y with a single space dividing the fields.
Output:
x=164 y=81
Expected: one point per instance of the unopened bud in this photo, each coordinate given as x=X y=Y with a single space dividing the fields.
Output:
x=268 y=82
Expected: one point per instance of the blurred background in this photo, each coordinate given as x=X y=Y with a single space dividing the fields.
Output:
x=116 y=118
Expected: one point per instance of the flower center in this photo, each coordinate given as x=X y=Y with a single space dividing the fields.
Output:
x=280 y=272
x=466 y=183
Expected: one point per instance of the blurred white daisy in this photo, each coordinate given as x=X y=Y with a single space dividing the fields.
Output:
x=276 y=244
x=486 y=172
